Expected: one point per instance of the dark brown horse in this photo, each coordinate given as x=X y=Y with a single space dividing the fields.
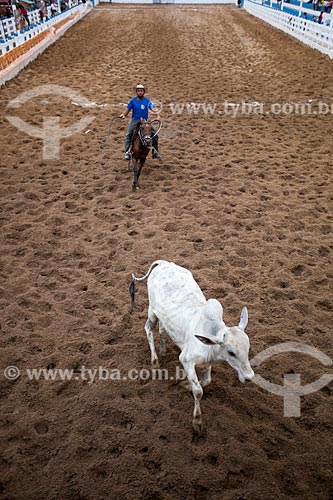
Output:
x=141 y=144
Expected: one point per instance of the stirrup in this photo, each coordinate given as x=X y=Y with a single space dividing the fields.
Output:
x=127 y=156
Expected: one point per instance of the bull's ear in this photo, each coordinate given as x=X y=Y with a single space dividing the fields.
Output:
x=207 y=340
x=244 y=318
x=210 y=340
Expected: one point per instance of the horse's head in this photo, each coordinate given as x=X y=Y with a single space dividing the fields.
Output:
x=145 y=132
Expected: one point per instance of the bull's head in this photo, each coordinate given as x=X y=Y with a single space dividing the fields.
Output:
x=235 y=346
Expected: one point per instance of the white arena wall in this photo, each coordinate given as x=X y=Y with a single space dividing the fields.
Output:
x=67 y=19
x=157 y=2
x=317 y=36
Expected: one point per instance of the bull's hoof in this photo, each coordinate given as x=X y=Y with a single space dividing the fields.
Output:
x=184 y=384
x=155 y=364
x=197 y=425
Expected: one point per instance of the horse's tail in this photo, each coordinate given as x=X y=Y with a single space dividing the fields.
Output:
x=134 y=279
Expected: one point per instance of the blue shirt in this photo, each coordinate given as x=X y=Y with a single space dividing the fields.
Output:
x=140 y=107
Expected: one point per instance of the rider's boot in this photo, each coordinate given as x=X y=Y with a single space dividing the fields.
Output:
x=128 y=141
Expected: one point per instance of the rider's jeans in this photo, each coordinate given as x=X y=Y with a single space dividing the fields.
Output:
x=129 y=133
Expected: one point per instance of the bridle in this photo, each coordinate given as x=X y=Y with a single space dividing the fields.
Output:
x=145 y=138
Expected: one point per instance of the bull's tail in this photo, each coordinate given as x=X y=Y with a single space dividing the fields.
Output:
x=132 y=294
x=134 y=279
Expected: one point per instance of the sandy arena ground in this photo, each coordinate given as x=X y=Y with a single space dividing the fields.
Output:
x=244 y=202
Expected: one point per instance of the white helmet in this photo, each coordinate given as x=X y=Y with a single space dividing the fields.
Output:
x=140 y=87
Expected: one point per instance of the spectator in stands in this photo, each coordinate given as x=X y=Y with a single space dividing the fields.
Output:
x=328 y=5
x=46 y=13
x=54 y=8
x=42 y=10
x=24 y=13
x=5 y=11
x=63 y=5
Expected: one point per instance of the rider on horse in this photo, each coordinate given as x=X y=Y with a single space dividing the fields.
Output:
x=139 y=106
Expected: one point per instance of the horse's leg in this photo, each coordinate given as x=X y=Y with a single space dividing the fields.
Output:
x=136 y=175
x=142 y=162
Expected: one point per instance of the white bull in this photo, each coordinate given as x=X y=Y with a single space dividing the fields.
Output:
x=195 y=325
